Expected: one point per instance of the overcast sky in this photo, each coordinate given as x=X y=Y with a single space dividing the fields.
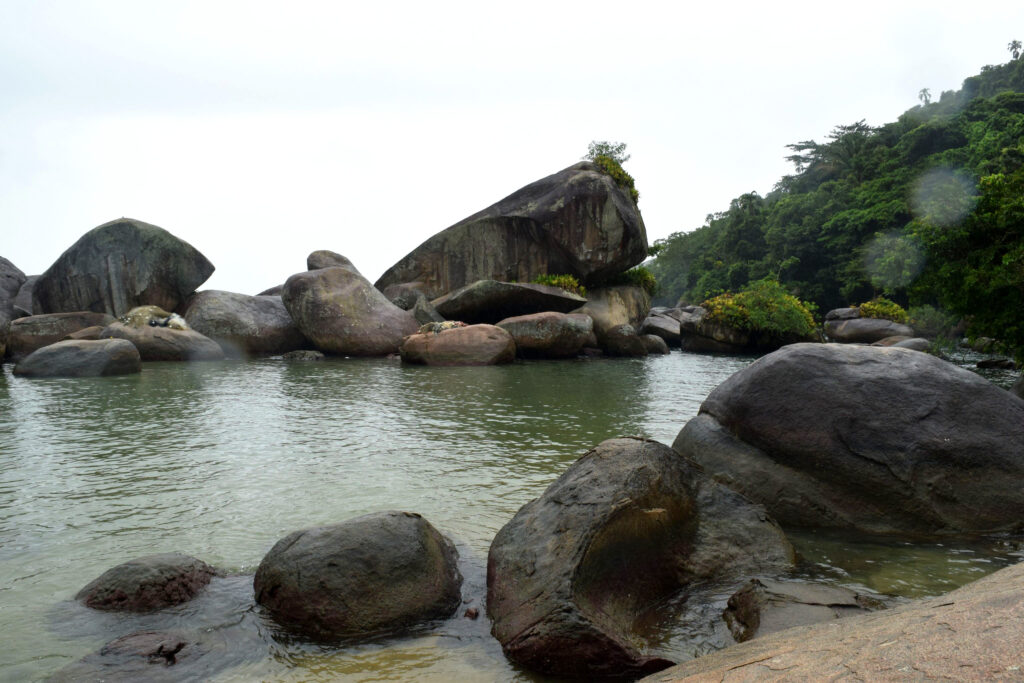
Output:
x=261 y=131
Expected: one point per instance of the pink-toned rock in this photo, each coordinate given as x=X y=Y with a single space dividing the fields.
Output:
x=549 y=334
x=469 y=345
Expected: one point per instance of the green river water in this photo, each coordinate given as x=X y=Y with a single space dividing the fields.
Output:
x=220 y=460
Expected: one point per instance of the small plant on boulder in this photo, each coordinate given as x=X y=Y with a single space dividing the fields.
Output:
x=636 y=277
x=567 y=282
x=609 y=157
x=763 y=306
x=880 y=307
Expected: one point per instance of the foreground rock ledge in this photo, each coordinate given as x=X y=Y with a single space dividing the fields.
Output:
x=886 y=440
x=973 y=633
x=629 y=523
x=374 y=575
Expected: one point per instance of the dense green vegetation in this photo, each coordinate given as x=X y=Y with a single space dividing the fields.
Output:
x=927 y=210
x=609 y=157
x=765 y=307
x=640 y=277
x=880 y=307
x=567 y=282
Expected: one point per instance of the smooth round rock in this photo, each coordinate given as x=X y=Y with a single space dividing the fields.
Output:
x=147 y=583
x=81 y=358
x=469 y=345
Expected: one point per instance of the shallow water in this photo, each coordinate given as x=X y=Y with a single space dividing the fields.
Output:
x=220 y=460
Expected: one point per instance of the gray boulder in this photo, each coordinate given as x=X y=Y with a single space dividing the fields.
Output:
x=577 y=221
x=272 y=291
x=165 y=343
x=118 y=266
x=377 y=574
x=23 y=302
x=885 y=440
x=914 y=343
x=424 y=312
x=11 y=281
x=664 y=325
x=613 y=306
x=405 y=294
x=81 y=358
x=622 y=341
x=36 y=331
x=549 y=334
x=654 y=344
x=242 y=324
x=340 y=312
x=627 y=525
x=490 y=301
x=845 y=313
x=322 y=258
x=303 y=355
x=864 y=330
x=147 y=583
x=462 y=345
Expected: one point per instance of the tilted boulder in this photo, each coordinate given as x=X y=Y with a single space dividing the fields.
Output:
x=81 y=358
x=377 y=574
x=664 y=325
x=576 y=222
x=655 y=344
x=23 y=302
x=549 y=334
x=36 y=331
x=462 y=345
x=490 y=301
x=165 y=343
x=340 y=312
x=628 y=524
x=322 y=258
x=120 y=265
x=243 y=324
x=885 y=440
x=864 y=330
x=147 y=583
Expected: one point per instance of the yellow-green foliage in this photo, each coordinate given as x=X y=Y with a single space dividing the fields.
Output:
x=763 y=306
x=636 y=277
x=567 y=282
x=880 y=307
x=618 y=174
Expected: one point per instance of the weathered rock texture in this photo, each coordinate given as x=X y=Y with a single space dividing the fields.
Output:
x=147 y=583
x=244 y=324
x=576 y=222
x=974 y=633
x=165 y=343
x=490 y=301
x=613 y=306
x=36 y=331
x=864 y=330
x=886 y=440
x=11 y=281
x=655 y=344
x=118 y=266
x=469 y=345
x=81 y=358
x=322 y=258
x=549 y=334
x=664 y=324
x=373 y=575
x=338 y=310
x=628 y=524
x=23 y=302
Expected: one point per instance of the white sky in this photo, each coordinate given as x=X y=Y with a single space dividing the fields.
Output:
x=261 y=131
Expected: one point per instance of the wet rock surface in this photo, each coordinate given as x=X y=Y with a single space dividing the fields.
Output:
x=165 y=343
x=884 y=440
x=36 y=331
x=147 y=583
x=627 y=525
x=466 y=345
x=81 y=358
x=549 y=334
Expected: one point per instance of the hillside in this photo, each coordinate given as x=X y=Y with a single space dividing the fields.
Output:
x=928 y=209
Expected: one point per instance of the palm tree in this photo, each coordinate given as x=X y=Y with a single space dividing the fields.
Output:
x=1014 y=48
x=925 y=95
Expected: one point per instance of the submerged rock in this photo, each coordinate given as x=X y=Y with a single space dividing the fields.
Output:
x=81 y=358
x=373 y=575
x=120 y=265
x=340 y=312
x=885 y=440
x=303 y=355
x=627 y=525
x=577 y=221
x=465 y=345
x=147 y=583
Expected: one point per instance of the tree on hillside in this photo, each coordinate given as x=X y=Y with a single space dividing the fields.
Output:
x=1014 y=48
x=925 y=95
x=616 y=151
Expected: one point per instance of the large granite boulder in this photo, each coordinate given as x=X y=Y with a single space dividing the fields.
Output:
x=23 y=302
x=627 y=525
x=338 y=310
x=11 y=281
x=243 y=324
x=405 y=294
x=81 y=358
x=165 y=343
x=120 y=265
x=490 y=301
x=864 y=330
x=460 y=345
x=577 y=222
x=622 y=341
x=373 y=575
x=973 y=633
x=36 y=331
x=549 y=334
x=662 y=324
x=147 y=583
x=655 y=344
x=613 y=306
x=886 y=440
x=322 y=258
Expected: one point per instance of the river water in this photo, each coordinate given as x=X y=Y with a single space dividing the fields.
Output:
x=220 y=460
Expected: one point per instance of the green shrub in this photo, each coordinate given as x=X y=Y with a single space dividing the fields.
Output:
x=635 y=277
x=618 y=174
x=763 y=306
x=567 y=282
x=880 y=307
x=931 y=322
